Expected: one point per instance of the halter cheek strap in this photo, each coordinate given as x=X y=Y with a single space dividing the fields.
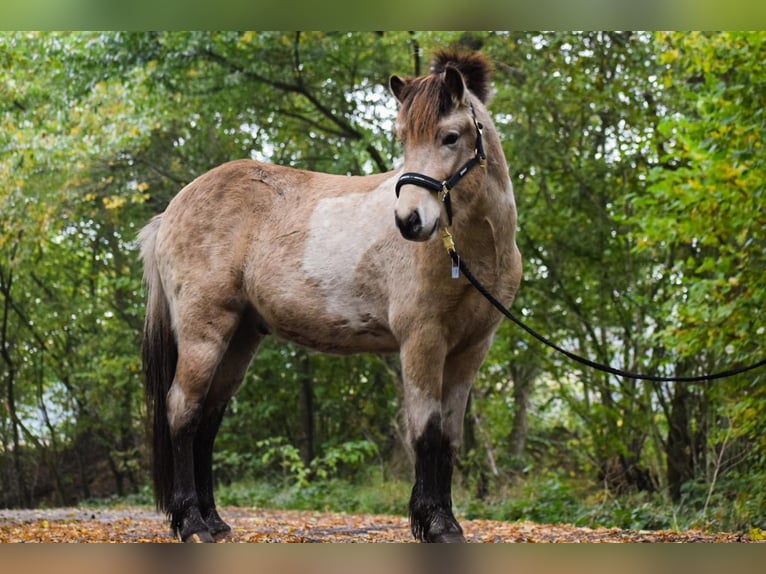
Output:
x=443 y=188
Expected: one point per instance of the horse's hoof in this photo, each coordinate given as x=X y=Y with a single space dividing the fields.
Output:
x=201 y=537
x=440 y=528
x=449 y=538
x=217 y=527
x=221 y=533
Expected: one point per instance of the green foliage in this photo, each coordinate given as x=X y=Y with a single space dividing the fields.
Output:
x=555 y=499
x=279 y=460
x=707 y=208
x=369 y=495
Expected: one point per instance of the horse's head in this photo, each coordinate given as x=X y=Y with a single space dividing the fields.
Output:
x=442 y=139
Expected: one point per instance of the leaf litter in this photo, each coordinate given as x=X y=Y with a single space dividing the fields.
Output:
x=252 y=525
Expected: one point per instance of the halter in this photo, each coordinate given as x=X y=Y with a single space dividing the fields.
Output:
x=443 y=188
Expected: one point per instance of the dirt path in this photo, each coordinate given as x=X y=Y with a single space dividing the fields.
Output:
x=255 y=525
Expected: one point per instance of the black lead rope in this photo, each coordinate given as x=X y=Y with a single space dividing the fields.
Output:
x=443 y=188
x=458 y=261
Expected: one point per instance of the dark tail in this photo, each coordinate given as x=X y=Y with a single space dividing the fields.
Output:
x=159 y=354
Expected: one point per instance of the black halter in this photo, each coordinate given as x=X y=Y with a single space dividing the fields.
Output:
x=442 y=188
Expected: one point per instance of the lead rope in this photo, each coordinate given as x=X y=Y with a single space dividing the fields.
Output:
x=460 y=265
x=442 y=190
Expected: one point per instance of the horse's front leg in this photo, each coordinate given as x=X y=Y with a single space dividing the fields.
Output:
x=460 y=370
x=431 y=517
x=436 y=393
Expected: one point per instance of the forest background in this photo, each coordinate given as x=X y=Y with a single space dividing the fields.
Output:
x=638 y=165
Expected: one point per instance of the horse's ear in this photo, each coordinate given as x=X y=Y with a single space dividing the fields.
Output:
x=455 y=84
x=397 y=85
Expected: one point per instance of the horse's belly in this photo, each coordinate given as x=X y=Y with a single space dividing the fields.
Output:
x=336 y=334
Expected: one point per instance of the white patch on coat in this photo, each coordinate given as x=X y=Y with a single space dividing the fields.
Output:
x=420 y=406
x=342 y=229
x=179 y=409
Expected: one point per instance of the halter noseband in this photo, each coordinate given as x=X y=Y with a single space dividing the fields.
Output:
x=442 y=188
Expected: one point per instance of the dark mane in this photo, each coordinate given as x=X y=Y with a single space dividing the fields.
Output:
x=424 y=101
x=475 y=68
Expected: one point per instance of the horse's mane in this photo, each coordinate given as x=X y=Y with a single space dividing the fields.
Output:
x=475 y=68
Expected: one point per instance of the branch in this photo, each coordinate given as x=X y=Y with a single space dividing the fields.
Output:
x=161 y=171
x=346 y=128
x=569 y=299
x=313 y=123
x=416 y=65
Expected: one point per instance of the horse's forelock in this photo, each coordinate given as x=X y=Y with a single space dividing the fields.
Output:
x=424 y=103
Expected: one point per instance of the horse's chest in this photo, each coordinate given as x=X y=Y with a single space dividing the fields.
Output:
x=471 y=317
x=470 y=322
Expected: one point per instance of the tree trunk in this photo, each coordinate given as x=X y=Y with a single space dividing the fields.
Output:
x=517 y=440
x=307 y=446
x=22 y=492
x=523 y=377
x=679 y=453
x=84 y=480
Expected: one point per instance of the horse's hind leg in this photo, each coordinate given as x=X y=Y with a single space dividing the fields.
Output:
x=203 y=470
x=203 y=333
x=228 y=377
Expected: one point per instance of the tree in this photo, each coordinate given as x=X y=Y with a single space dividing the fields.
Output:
x=579 y=118
x=704 y=206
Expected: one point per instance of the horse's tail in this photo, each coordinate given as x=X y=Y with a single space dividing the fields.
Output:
x=159 y=354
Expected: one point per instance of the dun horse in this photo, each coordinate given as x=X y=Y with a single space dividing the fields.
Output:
x=341 y=264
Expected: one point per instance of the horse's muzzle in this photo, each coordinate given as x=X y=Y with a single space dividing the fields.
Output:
x=412 y=228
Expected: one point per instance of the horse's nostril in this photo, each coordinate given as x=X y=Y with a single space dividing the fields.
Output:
x=411 y=226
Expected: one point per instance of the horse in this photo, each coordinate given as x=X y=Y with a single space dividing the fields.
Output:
x=339 y=264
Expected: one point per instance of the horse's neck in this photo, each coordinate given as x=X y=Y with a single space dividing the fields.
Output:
x=486 y=235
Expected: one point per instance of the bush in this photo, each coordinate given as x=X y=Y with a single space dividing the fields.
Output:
x=277 y=459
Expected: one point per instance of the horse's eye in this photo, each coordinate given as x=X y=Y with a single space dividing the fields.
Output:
x=451 y=138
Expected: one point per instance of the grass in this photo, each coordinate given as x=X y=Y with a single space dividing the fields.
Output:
x=545 y=500
x=335 y=495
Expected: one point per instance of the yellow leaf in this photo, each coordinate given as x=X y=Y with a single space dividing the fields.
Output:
x=669 y=57
x=757 y=534
x=114 y=202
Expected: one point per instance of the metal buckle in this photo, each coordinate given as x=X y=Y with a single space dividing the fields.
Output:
x=449 y=242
